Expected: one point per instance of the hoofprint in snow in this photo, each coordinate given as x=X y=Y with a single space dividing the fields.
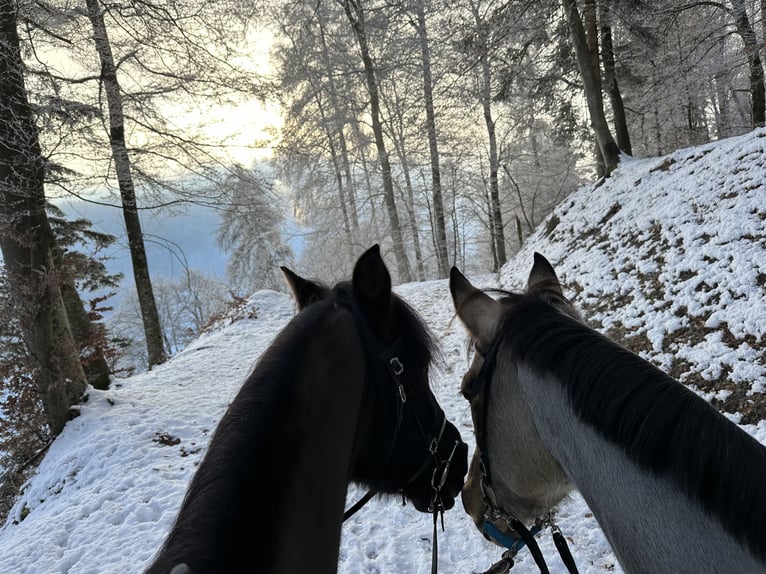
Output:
x=665 y=245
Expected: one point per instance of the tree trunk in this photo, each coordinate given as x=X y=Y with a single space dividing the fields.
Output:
x=397 y=135
x=339 y=179
x=339 y=125
x=27 y=240
x=440 y=233
x=149 y=315
x=88 y=336
x=592 y=86
x=355 y=13
x=360 y=139
x=497 y=229
x=763 y=28
x=411 y=208
x=610 y=80
x=757 y=89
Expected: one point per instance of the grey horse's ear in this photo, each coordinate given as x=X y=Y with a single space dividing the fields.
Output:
x=304 y=291
x=478 y=311
x=543 y=277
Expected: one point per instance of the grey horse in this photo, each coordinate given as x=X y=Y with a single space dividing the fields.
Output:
x=675 y=486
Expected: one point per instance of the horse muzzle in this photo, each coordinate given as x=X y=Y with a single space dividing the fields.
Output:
x=446 y=480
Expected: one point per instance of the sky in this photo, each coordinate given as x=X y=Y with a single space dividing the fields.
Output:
x=175 y=240
x=666 y=247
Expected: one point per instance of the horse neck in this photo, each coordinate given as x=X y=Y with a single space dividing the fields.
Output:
x=651 y=524
x=310 y=523
x=276 y=499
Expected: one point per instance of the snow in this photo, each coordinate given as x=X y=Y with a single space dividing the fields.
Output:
x=668 y=255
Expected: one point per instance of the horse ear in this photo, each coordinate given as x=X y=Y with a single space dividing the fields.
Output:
x=543 y=276
x=371 y=280
x=304 y=291
x=478 y=311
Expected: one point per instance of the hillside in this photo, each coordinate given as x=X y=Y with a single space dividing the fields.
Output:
x=667 y=255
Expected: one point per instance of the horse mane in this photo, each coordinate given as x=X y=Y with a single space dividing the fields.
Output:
x=658 y=422
x=229 y=486
x=228 y=482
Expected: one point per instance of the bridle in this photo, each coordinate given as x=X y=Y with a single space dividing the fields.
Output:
x=396 y=368
x=441 y=467
x=499 y=524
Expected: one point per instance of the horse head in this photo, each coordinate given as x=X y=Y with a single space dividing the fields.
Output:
x=404 y=442
x=531 y=481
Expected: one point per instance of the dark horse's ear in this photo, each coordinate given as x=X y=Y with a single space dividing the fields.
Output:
x=543 y=277
x=371 y=280
x=304 y=291
x=478 y=311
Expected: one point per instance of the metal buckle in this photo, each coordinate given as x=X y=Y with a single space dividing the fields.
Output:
x=396 y=366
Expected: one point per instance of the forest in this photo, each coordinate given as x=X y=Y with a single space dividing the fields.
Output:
x=445 y=131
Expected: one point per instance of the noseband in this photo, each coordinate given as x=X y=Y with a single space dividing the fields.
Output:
x=499 y=524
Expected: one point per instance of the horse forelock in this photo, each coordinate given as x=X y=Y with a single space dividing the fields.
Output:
x=399 y=326
x=421 y=344
x=660 y=424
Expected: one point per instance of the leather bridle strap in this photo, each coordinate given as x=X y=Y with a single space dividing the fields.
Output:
x=531 y=543
x=435 y=550
x=564 y=552
x=359 y=504
x=438 y=479
x=483 y=383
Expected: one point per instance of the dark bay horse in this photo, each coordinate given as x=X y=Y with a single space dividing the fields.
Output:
x=675 y=486
x=341 y=395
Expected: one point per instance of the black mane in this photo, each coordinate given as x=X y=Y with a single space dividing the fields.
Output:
x=255 y=423
x=659 y=423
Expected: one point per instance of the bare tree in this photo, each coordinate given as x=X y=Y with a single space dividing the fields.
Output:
x=610 y=78
x=591 y=76
x=440 y=233
x=250 y=231
x=151 y=320
x=481 y=47
x=356 y=16
x=755 y=65
x=27 y=240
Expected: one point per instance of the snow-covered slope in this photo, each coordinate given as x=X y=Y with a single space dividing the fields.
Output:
x=668 y=255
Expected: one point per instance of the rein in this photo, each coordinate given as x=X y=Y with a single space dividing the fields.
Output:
x=515 y=535
x=440 y=474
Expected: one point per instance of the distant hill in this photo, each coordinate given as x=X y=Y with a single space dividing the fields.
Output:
x=668 y=256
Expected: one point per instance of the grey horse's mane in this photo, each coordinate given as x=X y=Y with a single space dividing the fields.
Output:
x=659 y=423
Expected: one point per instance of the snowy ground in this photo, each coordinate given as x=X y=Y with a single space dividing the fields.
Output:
x=669 y=256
